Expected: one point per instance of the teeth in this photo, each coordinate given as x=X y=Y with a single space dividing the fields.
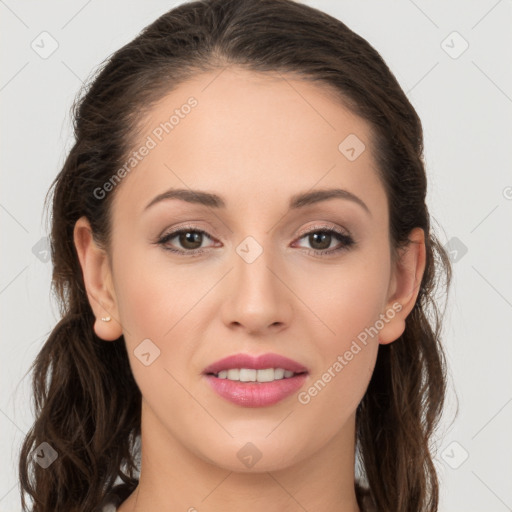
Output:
x=233 y=374
x=265 y=375
x=278 y=373
x=247 y=375
x=251 y=375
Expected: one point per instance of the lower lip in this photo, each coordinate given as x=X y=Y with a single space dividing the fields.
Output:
x=256 y=394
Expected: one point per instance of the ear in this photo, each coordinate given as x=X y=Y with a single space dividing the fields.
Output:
x=404 y=286
x=98 y=281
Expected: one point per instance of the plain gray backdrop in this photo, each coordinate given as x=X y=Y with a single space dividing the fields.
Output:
x=452 y=60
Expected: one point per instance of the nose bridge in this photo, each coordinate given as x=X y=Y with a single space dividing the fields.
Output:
x=253 y=262
x=258 y=298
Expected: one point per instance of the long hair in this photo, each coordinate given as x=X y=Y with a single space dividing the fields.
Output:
x=87 y=404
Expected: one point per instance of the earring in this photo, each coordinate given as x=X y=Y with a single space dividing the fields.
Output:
x=106 y=319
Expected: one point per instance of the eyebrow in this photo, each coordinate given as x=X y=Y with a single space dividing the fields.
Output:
x=296 y=202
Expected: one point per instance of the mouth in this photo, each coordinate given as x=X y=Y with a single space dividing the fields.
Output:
x=249 y=368
x=253 y=375
x=255 y=381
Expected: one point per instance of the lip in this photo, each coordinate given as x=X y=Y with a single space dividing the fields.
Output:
x=268 y=360
x=256 y=394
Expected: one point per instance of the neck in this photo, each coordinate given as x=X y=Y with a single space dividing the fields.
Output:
x=174 y=478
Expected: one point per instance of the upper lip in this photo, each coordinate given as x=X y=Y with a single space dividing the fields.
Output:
x=260 y=362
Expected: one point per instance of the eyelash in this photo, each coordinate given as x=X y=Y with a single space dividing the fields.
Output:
x=346 y=240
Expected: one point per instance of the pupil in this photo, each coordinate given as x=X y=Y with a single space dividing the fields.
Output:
x=191 y=238
x=194 y=238
x=323 y=237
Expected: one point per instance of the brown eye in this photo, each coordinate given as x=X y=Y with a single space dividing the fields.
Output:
x=188 y=240
x=320 y=241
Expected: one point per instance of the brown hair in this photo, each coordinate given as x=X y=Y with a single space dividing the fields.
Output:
x=87 y=404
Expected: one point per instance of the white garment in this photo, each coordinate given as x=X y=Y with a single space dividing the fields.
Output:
x=113 y=500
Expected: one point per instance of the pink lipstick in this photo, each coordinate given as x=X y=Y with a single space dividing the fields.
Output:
x=255 y=381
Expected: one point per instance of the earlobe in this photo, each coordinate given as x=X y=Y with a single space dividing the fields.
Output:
x=98 y=281
x=406 y=281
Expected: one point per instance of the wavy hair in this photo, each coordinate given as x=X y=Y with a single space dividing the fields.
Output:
x=86 y=401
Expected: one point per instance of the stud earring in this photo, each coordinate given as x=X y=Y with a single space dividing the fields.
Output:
x=106 y=319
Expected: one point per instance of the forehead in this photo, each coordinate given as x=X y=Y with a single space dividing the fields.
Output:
x=254 y=133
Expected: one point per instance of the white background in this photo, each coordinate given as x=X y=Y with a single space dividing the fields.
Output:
x=465 y=104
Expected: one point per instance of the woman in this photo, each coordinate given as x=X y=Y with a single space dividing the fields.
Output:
x=246 y=269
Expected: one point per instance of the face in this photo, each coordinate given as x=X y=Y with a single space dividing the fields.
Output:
x=254 y=270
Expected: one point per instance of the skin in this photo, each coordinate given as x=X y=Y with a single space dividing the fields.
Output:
x=255 y=140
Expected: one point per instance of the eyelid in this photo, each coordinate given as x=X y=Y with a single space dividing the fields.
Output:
x=305 y=231
x=177 y=230
x=324 y=227
x=343 y=234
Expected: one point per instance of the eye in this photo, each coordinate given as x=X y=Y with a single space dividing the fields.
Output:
x=321 y=239
x=190 y=239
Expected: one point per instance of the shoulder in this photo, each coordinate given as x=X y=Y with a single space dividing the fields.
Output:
x=364 y=499
x=114 y=498
x=367 y=504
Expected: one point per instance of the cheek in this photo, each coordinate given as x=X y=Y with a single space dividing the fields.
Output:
x=350 y=300
x=154 y=296
x=347 y=298
x=153 y=305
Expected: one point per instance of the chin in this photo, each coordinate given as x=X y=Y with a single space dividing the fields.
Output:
x=257 y=456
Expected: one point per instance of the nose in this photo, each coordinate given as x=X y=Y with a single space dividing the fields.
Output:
x=258 y=297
